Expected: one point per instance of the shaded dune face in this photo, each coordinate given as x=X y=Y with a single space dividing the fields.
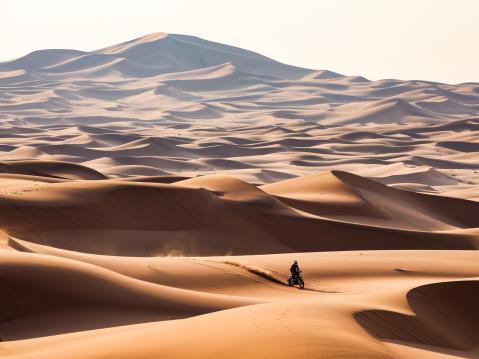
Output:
x=445 y=315
x=217 y=215
x=54 y=169
x=38 y=290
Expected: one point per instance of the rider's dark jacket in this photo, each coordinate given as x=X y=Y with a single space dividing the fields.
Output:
x=294 y=269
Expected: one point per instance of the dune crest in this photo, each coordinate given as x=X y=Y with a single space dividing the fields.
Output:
x=218 y=214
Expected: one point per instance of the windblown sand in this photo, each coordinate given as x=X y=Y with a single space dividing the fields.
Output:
x=153 y=195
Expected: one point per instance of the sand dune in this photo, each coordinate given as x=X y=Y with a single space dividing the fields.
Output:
x=345 y=322
x=154 y=193
x=213 y=215
x=374 y=304
x=89 y=298
x=432 y=324
x=79 y=107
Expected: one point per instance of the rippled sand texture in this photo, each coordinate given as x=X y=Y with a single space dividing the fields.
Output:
x=179 y=105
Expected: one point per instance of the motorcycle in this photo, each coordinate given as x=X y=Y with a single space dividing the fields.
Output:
x=296 y=280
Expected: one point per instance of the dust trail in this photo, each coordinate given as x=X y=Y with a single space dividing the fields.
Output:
x=12 y=243
x=266 y=274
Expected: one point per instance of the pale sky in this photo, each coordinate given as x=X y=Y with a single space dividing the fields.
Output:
x=407 y=39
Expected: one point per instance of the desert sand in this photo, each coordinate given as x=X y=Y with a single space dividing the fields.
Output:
x=153 y=195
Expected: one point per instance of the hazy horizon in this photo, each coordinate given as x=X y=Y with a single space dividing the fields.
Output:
x=426 y=40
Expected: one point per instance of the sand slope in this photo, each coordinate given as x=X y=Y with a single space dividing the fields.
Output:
x=99 y=239
x=154 y=193
x=217 y=214
x=341 y=313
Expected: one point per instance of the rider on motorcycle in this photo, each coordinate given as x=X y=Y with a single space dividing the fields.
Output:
x=295 y=269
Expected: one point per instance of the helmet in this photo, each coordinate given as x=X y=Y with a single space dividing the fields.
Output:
x=295 y=261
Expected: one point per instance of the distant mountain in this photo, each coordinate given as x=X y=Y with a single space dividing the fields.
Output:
x=178 y=105
x=148 y=56
x=169 y=77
